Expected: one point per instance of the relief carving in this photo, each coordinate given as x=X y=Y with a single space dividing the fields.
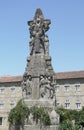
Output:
x=27 y=86
x=46 y=88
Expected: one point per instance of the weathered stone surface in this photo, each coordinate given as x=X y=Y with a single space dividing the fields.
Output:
x=37 y=127
x=41 y=102
x=54 y=117
x=42 y=77
x=38 y=39
x=39 y=78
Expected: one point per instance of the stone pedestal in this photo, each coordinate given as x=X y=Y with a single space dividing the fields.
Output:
x=40 y=102
x=37 y=127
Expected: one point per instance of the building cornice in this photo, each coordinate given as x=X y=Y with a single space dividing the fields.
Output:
x=59 y=76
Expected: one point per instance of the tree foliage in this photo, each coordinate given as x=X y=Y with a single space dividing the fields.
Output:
x=67 y=116
x=40 y=113
x=18 y=114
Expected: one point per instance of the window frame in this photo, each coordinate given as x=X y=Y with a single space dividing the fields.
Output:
x=12 y=89
x=12 y=104
x=67 y=87
x=2 y=89
x=67 y=104
x=77 y=86
x=78 y=104
x=57 y=87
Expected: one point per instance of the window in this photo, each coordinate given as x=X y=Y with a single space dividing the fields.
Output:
x=67 y=87
x=12 y=89
x=0 y=120
x=57 y=88
x=1 y=105
x=12 y=104
x=77 y=86
x=2 y=88
x=78 y=104
x=67 y=104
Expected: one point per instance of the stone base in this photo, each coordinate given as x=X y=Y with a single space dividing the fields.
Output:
x=37 y=127
x=40 y=102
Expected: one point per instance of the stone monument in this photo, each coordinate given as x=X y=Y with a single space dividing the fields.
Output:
x=39 y=77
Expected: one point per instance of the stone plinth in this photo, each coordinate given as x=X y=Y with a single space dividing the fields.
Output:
x=37 y=127
x=40 y=102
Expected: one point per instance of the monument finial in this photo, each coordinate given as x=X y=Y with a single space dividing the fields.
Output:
x=38 y=14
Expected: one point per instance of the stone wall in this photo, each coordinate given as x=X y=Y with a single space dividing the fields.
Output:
x=10 y=94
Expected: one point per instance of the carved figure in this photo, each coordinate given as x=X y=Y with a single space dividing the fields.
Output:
x=46 y=90
x=27 y=86
x=49 y=87
x=37 y=43
x=38 y=27
x=31 y=45
x=42 y=86
x=31 y=121
x=46 y=42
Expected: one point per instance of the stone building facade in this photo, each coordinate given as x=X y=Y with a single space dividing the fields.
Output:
x=69 y=91
x=10 y=93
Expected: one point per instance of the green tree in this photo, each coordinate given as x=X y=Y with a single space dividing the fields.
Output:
x=66 y=125
x=66 y=117
x=18 y=114
x=41 y=114
x=81 y=118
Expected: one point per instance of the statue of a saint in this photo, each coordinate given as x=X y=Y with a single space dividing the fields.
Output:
x=38 y=27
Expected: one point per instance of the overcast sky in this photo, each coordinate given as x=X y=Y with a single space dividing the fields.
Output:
x=66 y=34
